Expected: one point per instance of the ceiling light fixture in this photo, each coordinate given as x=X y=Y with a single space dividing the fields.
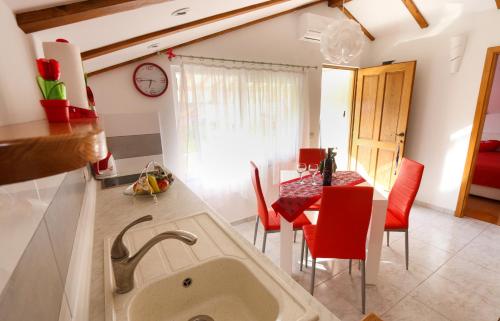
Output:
x=342 y=41
x=180 y=12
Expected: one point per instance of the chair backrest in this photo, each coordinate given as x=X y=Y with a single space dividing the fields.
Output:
x=405 y=189
x=261 y=202
x=343 y=222
x=311 y=155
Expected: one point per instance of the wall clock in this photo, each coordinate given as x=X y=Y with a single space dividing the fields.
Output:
x=150 y=79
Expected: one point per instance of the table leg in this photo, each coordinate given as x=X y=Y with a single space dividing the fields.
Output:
x=286 y=245
x=375 y=240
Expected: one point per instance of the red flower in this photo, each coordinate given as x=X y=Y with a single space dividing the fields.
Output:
x=90 y=97
x=48 y=68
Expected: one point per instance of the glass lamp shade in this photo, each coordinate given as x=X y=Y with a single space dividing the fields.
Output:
x=342 y=41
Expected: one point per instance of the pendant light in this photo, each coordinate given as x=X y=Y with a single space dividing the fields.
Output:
x=342 y=41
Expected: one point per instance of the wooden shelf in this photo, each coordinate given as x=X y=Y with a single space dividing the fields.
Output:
x=38 y=149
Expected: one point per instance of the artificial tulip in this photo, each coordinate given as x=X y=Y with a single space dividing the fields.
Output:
x=48 y=68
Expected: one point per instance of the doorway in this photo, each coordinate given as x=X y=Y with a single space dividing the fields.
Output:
x=364 y=113
x=337 y=91
x=480 y=191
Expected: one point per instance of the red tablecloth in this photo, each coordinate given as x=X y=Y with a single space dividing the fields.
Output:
x=295 y=197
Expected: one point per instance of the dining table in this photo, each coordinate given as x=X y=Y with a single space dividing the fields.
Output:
x=295 y=197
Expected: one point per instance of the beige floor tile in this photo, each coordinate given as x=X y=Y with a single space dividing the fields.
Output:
x=451 y=238
x=325 y=269
x=451 y=274
x=454 y=301
x=395 y=273
x=410 y=309
x=484 y=250
x=379 y=298
x=342 y=308
x=420 y=252
x=473 y=277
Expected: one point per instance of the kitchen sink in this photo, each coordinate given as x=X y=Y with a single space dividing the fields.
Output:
x=222 y=289
x=221 y=277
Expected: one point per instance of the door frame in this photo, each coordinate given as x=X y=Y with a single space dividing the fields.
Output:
x=492 y=56
x=351 y=107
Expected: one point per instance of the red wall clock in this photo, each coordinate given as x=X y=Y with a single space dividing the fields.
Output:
x=150 y=79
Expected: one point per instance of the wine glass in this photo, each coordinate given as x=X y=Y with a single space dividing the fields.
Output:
x=301 y=168
x=313 y=170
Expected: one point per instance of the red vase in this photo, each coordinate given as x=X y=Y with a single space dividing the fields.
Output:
x=57 y=110
x=77 y=113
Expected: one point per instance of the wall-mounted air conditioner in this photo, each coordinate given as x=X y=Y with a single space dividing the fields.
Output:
x=311 y=26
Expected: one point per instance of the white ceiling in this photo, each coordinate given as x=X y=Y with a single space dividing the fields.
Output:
x=104 y=30
x=30 y=5
x=380 y=17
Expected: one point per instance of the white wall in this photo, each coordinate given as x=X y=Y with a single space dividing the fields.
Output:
x=443 y=104
x=275 y=40
x=19 y=94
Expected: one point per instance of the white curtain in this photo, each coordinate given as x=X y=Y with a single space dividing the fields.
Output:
x=229 y=116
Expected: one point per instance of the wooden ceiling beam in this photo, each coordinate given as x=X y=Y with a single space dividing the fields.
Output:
x=93 y=53
x=337 y=3
x=413 y=9
x=213 y=35
x=340 y=5
x=349 y=15
x=42 y=19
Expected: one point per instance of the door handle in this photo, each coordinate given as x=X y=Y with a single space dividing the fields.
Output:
x=402 y=134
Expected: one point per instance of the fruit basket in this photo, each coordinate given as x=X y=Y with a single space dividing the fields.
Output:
x=154 y=179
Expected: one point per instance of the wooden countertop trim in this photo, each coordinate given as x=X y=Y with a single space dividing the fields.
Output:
x=38 y=149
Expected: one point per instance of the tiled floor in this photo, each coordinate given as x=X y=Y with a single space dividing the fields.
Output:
x=454 y=272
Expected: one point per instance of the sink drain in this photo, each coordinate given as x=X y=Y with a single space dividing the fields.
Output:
x=201 y=318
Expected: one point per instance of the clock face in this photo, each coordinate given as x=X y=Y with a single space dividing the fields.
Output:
x=150 y=79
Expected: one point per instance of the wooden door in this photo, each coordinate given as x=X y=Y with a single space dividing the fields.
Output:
x=381 y=109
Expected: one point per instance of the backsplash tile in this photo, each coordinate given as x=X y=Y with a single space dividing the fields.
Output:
x=34 y=290
x=38 y=223
x=134 y=145
x=20 y=214
x=62 y=218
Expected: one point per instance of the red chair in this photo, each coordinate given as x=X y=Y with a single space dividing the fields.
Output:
x=401 y=199
x=269 y=218
x=312 y=156
x=342 y=226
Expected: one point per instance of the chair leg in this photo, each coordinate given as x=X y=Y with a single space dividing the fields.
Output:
x=256 y=228
x=406 y=248
x=363 y=287
x=350 y=266
x=387 y=238
x=294 y=236
x=313 y=275
x=307 y=255
x=264 y=242
x=359 y=265
x=302 y=252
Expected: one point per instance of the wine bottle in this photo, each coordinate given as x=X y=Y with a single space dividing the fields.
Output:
x=327 y=171
x=334 y=165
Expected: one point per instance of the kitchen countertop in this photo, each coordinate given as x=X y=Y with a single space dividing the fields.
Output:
x=115 y=210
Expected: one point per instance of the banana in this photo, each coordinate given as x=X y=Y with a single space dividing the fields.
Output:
x=153 y=183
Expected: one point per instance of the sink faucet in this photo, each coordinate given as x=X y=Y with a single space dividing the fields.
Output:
x=124 y=265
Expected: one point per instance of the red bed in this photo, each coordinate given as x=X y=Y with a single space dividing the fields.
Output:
x=487 y=172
